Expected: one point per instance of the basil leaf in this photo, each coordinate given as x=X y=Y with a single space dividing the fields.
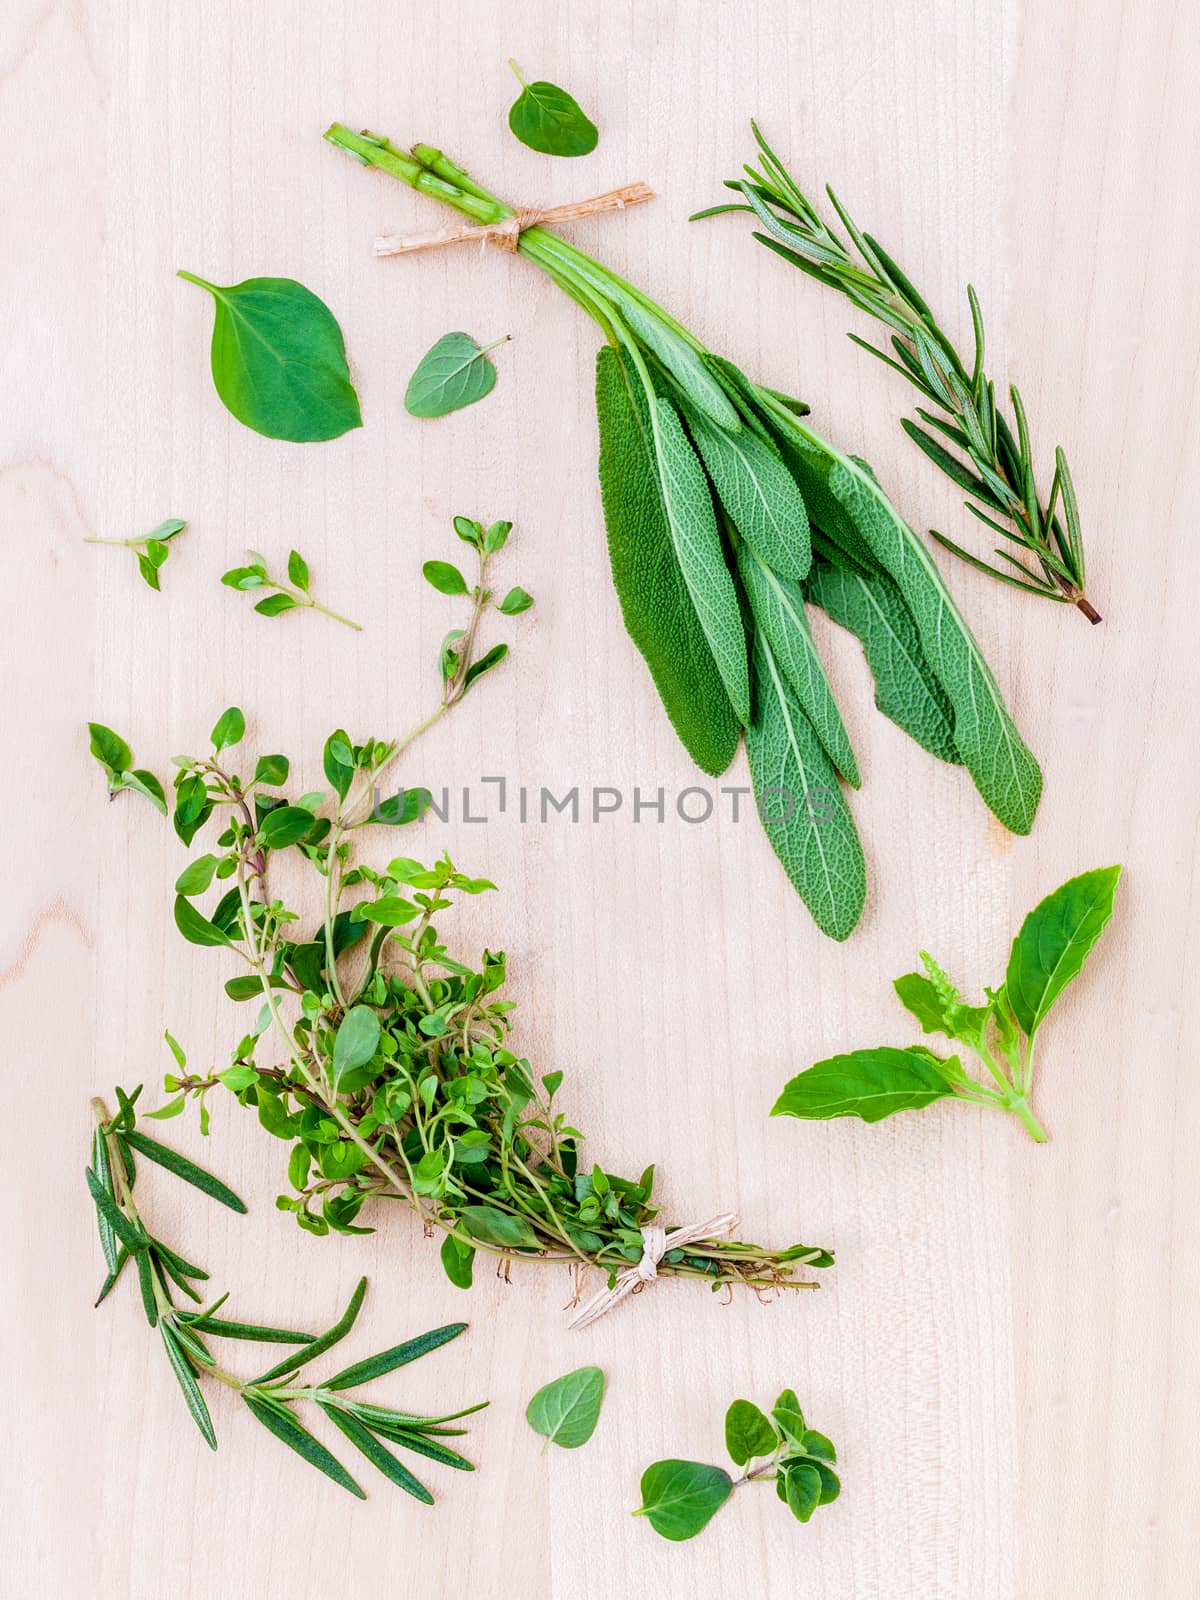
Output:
x=906 y=690
x=871 y=1084
x=919 y=996
x=801 y=804
x=778 y=607
x=655 y=604
x=748 y=1432
x=680 y=1497
x=453 y=373
x=1055 y=940
x=545 y=118
x=355 y=1042
x=566 y=1411
x=279 y=360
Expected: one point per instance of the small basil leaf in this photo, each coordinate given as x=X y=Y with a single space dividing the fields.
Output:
x=1055 y=940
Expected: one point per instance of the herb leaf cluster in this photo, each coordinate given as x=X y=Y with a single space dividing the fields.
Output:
x=680 y=1498
x=725 y=515
x=295 y=594
x=967 y=435
x=274 y=1396
x=150 y=549
x=1047 y=954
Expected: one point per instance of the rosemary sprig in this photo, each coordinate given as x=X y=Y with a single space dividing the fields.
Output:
x=998 y=471
x=274 y=1396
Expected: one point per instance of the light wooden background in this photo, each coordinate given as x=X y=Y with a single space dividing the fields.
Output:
x=1006 y=1352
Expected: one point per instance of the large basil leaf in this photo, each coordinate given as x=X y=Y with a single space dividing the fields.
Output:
x=1055 y=940
x=279 y=360
x=871 y=1084
x=680 y=1497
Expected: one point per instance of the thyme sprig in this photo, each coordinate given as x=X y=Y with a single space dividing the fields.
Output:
x=274 y=1396
x=998 y=470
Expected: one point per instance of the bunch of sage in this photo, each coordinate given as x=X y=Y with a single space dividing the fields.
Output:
x=725 y=513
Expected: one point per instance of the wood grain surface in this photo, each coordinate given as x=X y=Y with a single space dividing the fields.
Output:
x=1006 y=1353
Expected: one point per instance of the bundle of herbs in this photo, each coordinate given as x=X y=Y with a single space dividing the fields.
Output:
x=725 y=513
x=379 y=1057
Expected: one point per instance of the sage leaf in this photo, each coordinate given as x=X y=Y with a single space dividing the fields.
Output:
x=1055 y=940
x=655 y=604
x=279 y=360
x=697 y=541
x=906 y=689
x=778 y=608
x=546 y=118
x=356 y=1041
x=801 y=804
x=985 y=736
x=758 y=492
x=453 y=373
x=566 y=1411
x=679 y=1498
x=748 y=1433
x=871 y=1084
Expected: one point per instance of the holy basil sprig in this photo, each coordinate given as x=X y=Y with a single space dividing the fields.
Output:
x=725 y=512
x=151 y=549
x=1054 y=942
x=994 y=463
x=290 y=596
x=680 y=1498
x=275 y=1395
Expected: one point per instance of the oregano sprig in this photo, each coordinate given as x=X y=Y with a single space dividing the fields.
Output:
x=151 y=549
x=994 y=460
x=680 y=1498
x=116 y=758
x=294 y=595
x=275 y=1395
x=1047 y=954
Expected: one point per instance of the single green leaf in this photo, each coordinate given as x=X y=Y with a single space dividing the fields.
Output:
x=748 y=1433
x=145 y=783
x=389 y=912
x=789 y=1418
x=818 y=1445
x=545 y=118
x=183 y=1168
x=279 y=360
x=356 y=1041
x=116 y=1219
x=801 y=803
x=492 y=1226
x=398 y=1356
x=339 y=762
x=458 y=1261
x=272 y=769
x=275 y=605
x=325 y=1341
x=1055 y=940
x=219 y=1328
x=250 y=987
x=377 y=1454
x=109 y=749
x=187 y=1382
x=758 y=492
x=103 y=1174
x=230 y=729
x=490 y=658
x=803 y=1484
x=871 y=1084
x=284 y=826
x=148 y=570
x=515 y=601
x=566 y=1411
x=906 y=690
x=195 y=928
x=196 y=876
x=697 y=542
x=680 y=1497
x=655 y=604
x=453 y=373
x=778 y=608
x=173 y=1108
x=445 y=577
x=298 y=570
x=280 y=1421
